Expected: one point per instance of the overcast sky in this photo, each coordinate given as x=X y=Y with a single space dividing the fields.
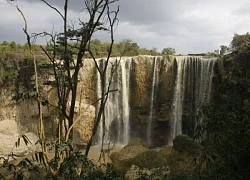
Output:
x=189 y=26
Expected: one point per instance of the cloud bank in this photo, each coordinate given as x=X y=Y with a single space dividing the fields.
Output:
x=189 y=26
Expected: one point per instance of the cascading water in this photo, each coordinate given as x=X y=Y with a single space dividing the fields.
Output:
x=192 y=89
x=125 y=70
x=190 y=82
x=155 y=81
x=205 y=79
x=115 y=128
x=176 y=126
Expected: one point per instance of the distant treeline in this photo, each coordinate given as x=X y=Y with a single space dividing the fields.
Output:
x=98 y=48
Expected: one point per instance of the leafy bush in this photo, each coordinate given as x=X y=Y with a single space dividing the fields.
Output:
x=225 y=122
x=77 y=166
x=184 y=143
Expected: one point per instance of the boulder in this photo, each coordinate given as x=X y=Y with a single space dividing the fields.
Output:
x=123 y=160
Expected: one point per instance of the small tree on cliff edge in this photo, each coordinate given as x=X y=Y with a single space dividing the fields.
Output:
x=168 y=51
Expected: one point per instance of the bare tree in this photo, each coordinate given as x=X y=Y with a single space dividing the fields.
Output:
x=101 y=18
x=67 y=75
x=66 y=52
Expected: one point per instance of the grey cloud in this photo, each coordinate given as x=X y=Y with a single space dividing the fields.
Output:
x=73 y=4
x=152 y=12
x=135 y=11
x=11 y=34
x=186 y=25
x=244 y=10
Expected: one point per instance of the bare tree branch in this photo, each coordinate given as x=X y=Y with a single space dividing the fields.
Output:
x=52 y=7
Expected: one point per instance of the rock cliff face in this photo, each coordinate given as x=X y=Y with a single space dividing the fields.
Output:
x=155 y=98
x=163 y=96
x=11 y=129
x=147 y=106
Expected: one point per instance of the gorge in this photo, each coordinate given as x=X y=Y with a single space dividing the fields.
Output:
x=152 y=97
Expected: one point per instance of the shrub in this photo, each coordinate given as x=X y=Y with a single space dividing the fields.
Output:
x=77 y=166
x=184 y=143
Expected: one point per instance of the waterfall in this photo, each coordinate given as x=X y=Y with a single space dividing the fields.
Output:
x=205 y=79
x=155 y=80
x=176 y=124
x=125 y=70
x=188 y=78
x=192 y=89
x=98 y=94
x=152 y=98
x=116 y=113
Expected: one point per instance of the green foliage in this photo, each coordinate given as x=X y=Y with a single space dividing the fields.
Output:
x=182 y=165
x=168 y=51
x=128 y=48
x=125 y=47
x=144 y=51
x=213 y=54
x=153 y=51
x=96 y=47
x=223 y=49
x=77 y=166
x=182 y=176
x=8 y=70
x=184 y=143
x=166 y=164
x=17 y=170
x=5 y=43
x=14 y=47
x=24 y=95
x=225 y=122
x=240 y=40
x=219 y=53
x=155 y=174
x=16 y=73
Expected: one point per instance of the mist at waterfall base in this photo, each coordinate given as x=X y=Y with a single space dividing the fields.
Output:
x=156 y=99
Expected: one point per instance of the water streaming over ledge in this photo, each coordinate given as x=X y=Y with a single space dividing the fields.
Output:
x=155 y=80
x=191 y=83
x=193 y=87
x=116 y=114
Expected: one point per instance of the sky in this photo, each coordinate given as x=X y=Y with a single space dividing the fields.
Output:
x=188 y=26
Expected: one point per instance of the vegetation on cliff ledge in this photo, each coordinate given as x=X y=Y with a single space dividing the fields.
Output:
x=224 y=127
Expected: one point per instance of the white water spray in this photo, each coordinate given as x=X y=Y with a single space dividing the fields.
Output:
x=117 y=106
x=155 y=82
x=193 y=85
